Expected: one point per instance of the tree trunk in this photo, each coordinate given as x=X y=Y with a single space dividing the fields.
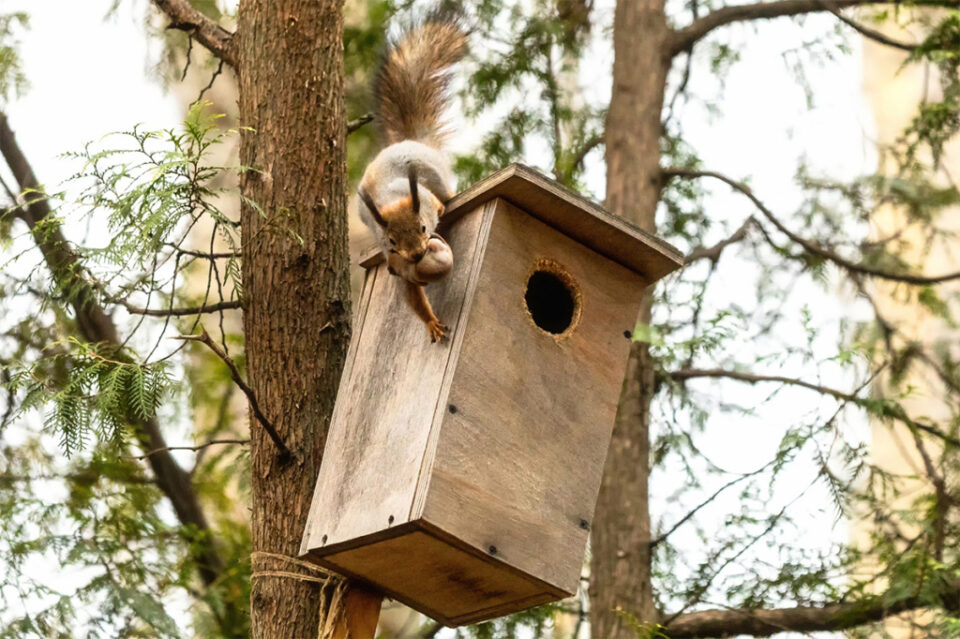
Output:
x=295 y=278
x=620 y=541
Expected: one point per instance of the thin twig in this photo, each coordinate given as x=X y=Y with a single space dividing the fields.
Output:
x=181 y=311
x=186 y=66
x=10 y=193
x=683 y=39
x=808 y=245
x=892 y=411
x=82 y=476
x=209 y=86
x=353 y=125
x=660 y=538
x=576 y=163
x=872 y=34
x=11 y=399
x=713 y=253
x=204 y=338
x=184 y=17
x=681 y=89
x=212 y=442
x=225 y=255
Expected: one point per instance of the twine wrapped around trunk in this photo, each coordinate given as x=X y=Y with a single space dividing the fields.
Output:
x=332 y=586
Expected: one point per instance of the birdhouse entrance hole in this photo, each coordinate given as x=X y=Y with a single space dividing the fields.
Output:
x=552 y=298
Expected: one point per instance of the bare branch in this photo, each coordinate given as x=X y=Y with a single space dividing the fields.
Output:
x=943 y=500
x=751 y=378
x=353 y=125
x=809 y=246
x=212 y=442
x=707 y=501
x=681 y=88
x=763 y=623
x=215 y=38
x=213 y=78
x=82 y=476
x=576 y=163
x=11 y=395
x=204 y=338
x=683 y=39
x=713 y=253
x=10 y=193
x=186 y=66
x=893 y=411
x=702 y=589
x=181 y=311
x=872 y=34
x=225 y=255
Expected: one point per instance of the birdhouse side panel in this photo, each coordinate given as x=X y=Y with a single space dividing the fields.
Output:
x=520 y=454
x=386 y=403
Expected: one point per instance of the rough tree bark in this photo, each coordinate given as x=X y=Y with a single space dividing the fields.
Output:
x=295 y=277
x=620 y=564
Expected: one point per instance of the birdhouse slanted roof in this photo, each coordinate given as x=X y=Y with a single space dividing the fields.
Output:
x=570 y=213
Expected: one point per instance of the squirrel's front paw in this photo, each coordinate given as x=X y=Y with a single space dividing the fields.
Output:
x=437 y=330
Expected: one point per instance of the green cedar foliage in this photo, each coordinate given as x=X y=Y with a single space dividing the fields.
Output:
x=141 y=195
x=12 y=78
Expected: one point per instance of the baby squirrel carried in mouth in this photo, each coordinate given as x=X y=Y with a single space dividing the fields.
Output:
x=403 y=190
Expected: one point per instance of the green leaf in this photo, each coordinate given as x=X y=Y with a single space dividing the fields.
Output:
x=648 y=334
x=150 y=611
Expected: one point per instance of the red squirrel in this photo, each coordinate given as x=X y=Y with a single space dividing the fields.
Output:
x=403 y=190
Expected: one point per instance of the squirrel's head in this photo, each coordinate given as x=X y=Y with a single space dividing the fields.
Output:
x=403 y=225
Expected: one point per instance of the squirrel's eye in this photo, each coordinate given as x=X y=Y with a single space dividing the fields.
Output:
x=424 y=228
x=392 y=243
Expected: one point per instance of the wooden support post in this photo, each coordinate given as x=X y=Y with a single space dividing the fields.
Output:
x=361 y=613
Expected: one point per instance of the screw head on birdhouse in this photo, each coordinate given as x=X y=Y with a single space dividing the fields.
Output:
x=460 y=478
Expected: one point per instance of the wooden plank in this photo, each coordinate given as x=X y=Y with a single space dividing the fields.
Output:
x=488 y=212
x=495 y=612
x=571 y=214
x=448 y=583
x=363 y=305
x=386 y=402
x=518 y=464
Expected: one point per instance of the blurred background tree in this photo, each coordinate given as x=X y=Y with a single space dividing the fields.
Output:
x=750 y=489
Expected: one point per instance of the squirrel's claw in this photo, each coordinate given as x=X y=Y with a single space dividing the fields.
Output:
x=437 y=330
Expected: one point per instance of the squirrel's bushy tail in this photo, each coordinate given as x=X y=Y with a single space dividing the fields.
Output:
x=411 y=86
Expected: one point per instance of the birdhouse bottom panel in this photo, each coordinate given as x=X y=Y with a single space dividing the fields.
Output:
x=440 y=577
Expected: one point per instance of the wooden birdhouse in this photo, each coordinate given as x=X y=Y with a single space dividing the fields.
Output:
x=460 y=478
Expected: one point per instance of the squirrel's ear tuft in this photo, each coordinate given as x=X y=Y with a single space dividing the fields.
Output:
x=368 y=201
x=414 y=191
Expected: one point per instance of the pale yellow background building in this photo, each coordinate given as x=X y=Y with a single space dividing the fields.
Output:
x=893 y=92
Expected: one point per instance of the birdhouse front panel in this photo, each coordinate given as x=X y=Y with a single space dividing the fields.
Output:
x=386 y=403
x=521 y=450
